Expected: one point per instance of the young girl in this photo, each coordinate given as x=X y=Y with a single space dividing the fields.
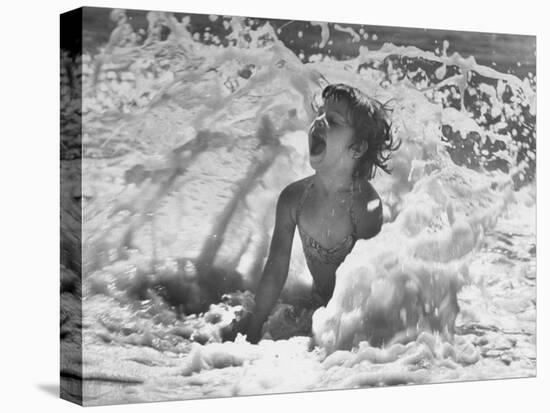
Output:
x=334 y=207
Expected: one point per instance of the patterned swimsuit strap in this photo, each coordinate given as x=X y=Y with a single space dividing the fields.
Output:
x=352 y=216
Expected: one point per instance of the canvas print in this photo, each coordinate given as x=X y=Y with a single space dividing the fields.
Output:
x=253 y=205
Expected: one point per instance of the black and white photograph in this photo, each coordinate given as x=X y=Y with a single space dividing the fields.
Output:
x=254 y=205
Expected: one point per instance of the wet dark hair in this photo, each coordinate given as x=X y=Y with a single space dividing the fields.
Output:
x=370 y=122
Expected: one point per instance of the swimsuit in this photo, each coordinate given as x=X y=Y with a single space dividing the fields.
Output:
x=315 y=252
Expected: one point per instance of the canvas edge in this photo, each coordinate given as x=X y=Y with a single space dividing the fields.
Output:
x=70 y=368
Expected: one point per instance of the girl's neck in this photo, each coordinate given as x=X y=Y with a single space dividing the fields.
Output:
x=333 y=184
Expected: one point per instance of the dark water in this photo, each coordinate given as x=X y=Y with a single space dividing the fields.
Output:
x=508 y=53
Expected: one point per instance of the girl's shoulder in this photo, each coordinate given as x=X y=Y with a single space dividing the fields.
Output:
x=370 y=213
x=292 y=194
x=371 y=216
x=367 y=192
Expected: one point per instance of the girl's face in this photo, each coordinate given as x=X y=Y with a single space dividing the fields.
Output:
x=330 y=136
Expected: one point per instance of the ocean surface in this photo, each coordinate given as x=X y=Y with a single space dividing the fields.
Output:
x=192 y=125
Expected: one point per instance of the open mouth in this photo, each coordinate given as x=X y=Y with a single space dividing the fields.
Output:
x=318 y=143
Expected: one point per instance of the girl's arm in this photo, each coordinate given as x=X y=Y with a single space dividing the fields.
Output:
x=276 y=268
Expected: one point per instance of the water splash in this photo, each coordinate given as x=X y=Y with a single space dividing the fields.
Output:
x=187 y=144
